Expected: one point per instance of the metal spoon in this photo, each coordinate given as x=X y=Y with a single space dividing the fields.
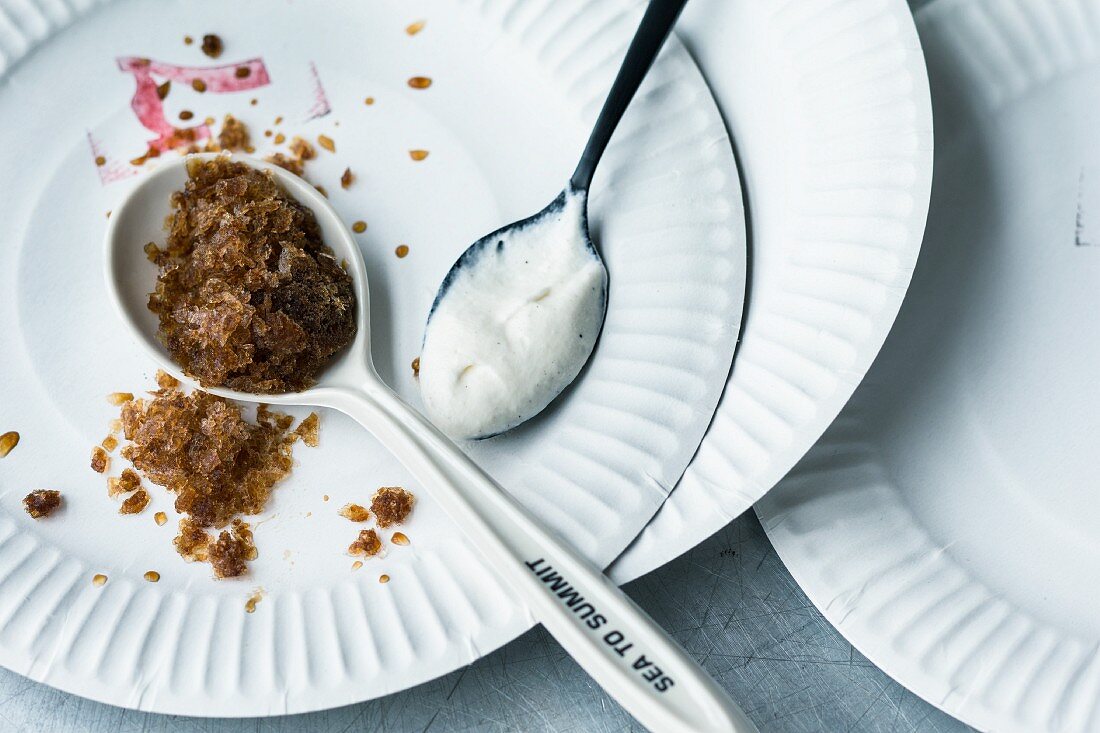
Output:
x=518 y=314
x=516 y=546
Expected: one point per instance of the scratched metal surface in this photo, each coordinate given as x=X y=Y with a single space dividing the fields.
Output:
x=730 y=601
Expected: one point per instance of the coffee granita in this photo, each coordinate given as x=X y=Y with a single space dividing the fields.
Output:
x=248 y=296
x=218 y=464
x=391 y=505
x=42 y=502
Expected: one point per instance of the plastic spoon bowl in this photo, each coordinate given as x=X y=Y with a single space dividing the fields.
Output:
x=514 y=544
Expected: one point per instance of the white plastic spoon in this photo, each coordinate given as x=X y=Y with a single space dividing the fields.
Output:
x=584 y=610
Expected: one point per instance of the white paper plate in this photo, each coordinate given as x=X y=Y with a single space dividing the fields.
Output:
x=517 y=86
x=948 y=523
x=828 y=104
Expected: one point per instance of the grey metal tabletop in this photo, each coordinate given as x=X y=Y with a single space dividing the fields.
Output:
x=730 y=602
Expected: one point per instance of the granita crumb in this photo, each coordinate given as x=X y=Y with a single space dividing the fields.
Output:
x=135 y=503
x=354 y=512
x=42 y=503
x=367 y=544
x=391 y=505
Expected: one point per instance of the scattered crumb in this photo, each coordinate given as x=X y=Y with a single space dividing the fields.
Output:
x=242 y=72
x=100 y=160
x=192 y=542
x=100 y=460
x=302 y=149
x=253 y=101
x=160 y=518
x=359 y=227
x=324 y=498
x=309 y=430
x=124 y=484
x=327 y=143
x=232 y=550
x=188 y=40
x=399 y=538
x=280 y=138
x=413 y=28
x=279 y=120
x=109 y=443
x=368 y=101
x=118 y=398
x=368 y=543
x=115 y=426
x=198 y=85
x=212 y=45
x=347 y=179
x=293 y=165
x=42 y=502
x=135 y=503
x=391 y=505
x=8 y=441
x=166 y=380
x=401 y=251
x=383 y=578
x=416 y=368
x=152 y=576
x=418 y=155
x=186 y=114
x=420 y=82
x=256 y=597
x=99 y=579
x=357 y=564
x=163 y=89
x=354 y=512
x=234 y=134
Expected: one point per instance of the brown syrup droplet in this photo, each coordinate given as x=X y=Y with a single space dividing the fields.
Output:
x=160 y=518
x=198 y=85
x=186 y=114
x=99 y=579
x=413 y=28
x=399 y=538
x=255 y=598
x=418 y=155
x=383 y=578
x=420 y=82
x=416 y=367
x=152 y=576
x=401 y=251
x=327 y=143
x=100 y=160
x=357 y=564
x=8 y=441
x=359 y=227
x=368 y=101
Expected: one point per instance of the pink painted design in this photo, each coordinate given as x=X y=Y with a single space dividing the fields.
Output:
x=111 y=170
x=149 y=109
x=321 y=106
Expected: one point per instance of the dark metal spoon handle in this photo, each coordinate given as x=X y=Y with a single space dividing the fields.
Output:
x=656 y=25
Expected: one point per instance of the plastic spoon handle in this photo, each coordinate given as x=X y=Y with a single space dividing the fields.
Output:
x=657 y=23
x=628 y=654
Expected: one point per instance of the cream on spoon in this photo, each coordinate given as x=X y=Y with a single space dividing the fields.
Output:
x=517 y=317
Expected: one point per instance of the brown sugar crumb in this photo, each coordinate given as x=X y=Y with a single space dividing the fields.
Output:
x=416 y=367
x=368 y=101
x=420 y=82
x=152 y=576
x=302 y=149
x=186 y=114
x=192 y=542
x=286 y=163
x=109 y=443
x=418 y=155
x=280 y=138
x=118 y=398
x=163 y=89
x=100 y=460
x=100 y=160
x=402 y=251
x=8 y=441
x=367 y=544
x=354 y=512
x=359 y=227
x=230 y=553
x=391 y=505
x=347 y=179
x=160 y=518
x=327 y=143
x=166 y=380
x=188 y=40
x=413 y=28
x=212 y=45
x=250 y=297
x=99 y=579
x=383 y=578
x=399 y=538
x=198 y=85
x=135 y=503
x=42 y=502
x=309 y=430
x=124 y=484
x=234 y=134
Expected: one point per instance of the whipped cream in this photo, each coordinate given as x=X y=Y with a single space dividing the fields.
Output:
x=514 y=324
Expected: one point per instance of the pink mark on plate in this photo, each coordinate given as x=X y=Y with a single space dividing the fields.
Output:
x=321 y=106
x=111 y=170
x=149 y=108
